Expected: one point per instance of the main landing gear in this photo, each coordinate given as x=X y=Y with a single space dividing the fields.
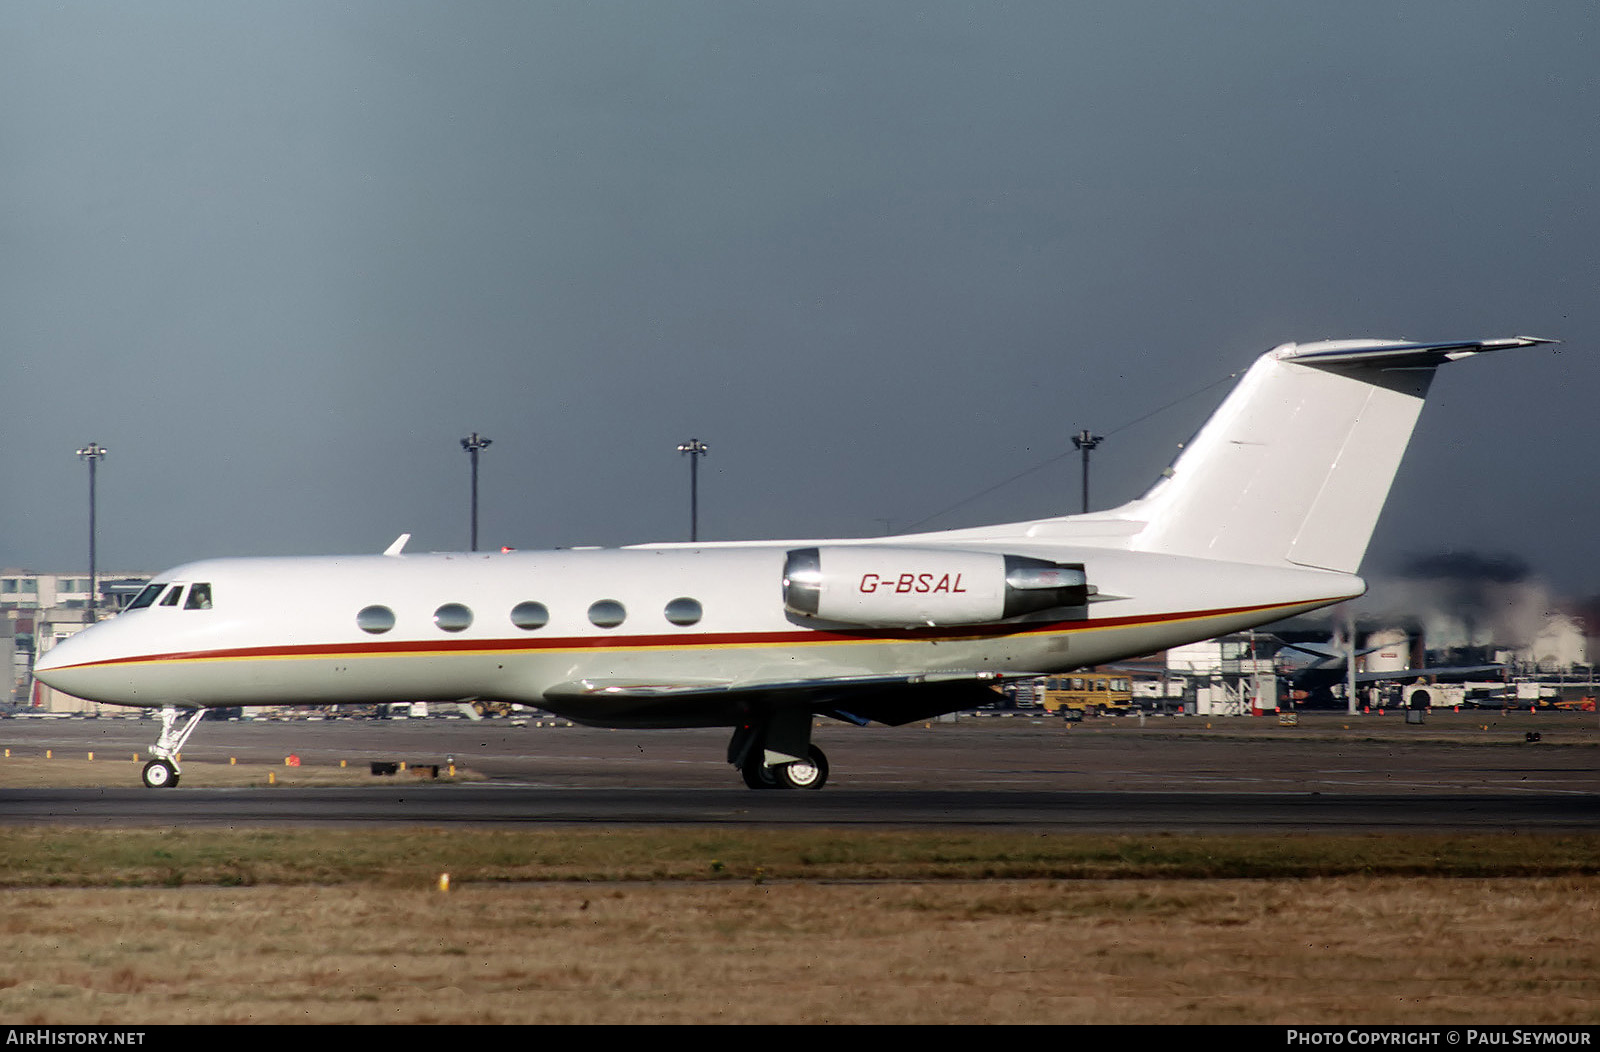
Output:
x=163 y=771
x=778 y=754
x=810 y=773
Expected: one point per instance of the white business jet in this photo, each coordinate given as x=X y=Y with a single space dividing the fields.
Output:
x=1266 y=514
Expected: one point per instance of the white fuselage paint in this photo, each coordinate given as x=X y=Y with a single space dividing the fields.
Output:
x=284 y=631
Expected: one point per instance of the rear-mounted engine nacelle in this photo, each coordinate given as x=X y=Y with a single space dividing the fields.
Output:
x=883 y=587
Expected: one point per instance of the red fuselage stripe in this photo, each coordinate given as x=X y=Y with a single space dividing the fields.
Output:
x=710 y=639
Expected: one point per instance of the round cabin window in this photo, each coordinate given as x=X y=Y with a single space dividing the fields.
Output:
x=683 y=611
x=530 y=615
x=452 y=617
x=607 y=613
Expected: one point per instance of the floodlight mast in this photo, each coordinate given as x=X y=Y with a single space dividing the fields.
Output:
x=694 y=449
x=94 y=452
x=472 y=445
x=1086 y=443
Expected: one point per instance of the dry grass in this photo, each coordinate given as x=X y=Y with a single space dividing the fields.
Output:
x=1343 y=950
x=779 y=926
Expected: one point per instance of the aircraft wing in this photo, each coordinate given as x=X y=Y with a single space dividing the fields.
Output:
x=891 y=698
x=1420 y=673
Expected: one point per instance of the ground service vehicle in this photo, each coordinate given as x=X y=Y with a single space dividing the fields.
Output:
x=1087 y=694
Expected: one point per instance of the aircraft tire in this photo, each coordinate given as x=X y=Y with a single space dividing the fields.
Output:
x=803 y=775
x=758 y=775
x=159 y=774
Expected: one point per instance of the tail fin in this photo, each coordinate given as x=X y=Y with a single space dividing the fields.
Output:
x=1295 y=465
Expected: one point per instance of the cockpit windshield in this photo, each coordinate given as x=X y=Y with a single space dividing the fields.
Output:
x=148 y=596
x=165 y=593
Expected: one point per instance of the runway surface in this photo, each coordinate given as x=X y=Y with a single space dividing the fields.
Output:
x=1333 y=774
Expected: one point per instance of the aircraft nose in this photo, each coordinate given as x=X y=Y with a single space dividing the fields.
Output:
x=77 y=682
x=75 y=666
x=74 y=650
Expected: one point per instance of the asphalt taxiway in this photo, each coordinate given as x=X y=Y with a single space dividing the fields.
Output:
x=1109 y=812
x=1473 y=772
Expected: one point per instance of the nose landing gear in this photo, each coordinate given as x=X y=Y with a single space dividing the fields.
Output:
x=163 y=771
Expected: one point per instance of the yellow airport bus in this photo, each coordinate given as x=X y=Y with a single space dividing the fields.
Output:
x=1086 y=694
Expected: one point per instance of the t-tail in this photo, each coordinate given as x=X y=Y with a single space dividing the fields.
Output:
x=1294 y=467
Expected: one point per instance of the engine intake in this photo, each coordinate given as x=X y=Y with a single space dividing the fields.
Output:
x=887 y=587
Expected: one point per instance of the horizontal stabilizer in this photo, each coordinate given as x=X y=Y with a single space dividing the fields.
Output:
x=1398 y=355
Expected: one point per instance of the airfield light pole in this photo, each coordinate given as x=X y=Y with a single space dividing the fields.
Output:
x=694 y=449
x=1086 y=444
x=472 y=445
x=1350 y=664
x=94 y=452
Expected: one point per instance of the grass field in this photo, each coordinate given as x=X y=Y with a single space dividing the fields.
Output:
x=793 y=926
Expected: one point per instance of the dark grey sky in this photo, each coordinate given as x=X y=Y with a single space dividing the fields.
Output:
x=281 y=257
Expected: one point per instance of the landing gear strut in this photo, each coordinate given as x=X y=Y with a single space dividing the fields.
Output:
x=163 y=771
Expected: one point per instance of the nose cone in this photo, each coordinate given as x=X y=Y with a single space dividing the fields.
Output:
x=74 y=650
x=79 y=665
